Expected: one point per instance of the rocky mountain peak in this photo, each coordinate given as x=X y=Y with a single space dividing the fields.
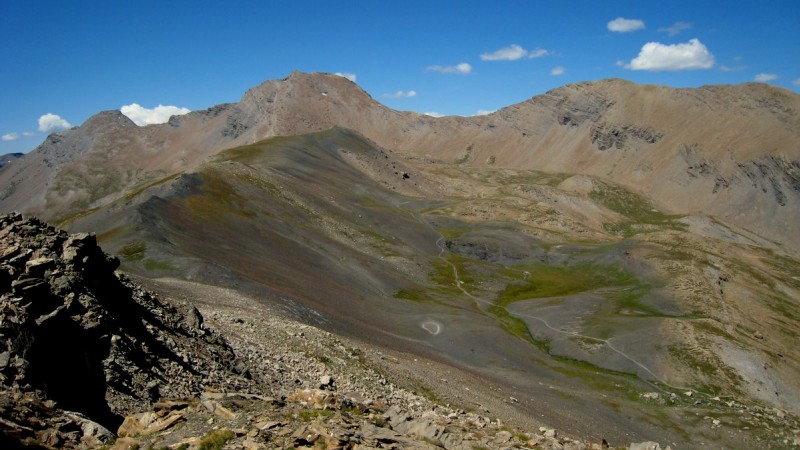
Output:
x=108 y=119
x=317 y=88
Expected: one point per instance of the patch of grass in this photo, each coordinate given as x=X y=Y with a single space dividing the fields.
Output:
x=643 y=217
x=415 y=295
x=426 y=392
x=542 y=281
x=151 y=264
x=353 y=410
x=465 y=157
x=530 y=177
x=516 y=327
x=710 y=370
x=133 y=251
x=444 y=277
x=219 y=198
x=378 y=421
x=215 y=440
x=604 y=380
x=545 y=281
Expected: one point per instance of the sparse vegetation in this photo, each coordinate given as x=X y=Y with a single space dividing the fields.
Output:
x=466 y=156
x=151 y=264
x=133 y=251
x=643 y=217
x=215 y=440
x=307 y=415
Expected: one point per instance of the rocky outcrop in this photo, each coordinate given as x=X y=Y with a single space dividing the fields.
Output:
x=606 y=136
x=76 y=336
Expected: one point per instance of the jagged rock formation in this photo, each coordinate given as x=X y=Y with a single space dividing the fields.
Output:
x=78 y=337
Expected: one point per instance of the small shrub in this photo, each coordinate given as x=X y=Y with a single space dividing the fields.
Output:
x=307 y=415
x=215 y=440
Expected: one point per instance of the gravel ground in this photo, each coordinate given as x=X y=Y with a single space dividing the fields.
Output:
x=262 y=337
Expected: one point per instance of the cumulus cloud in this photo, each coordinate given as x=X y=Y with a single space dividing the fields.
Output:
x=558 y=70
x=676 y=28
x=484 y=112
x=656 y=56
x=349 y=76
x=796 y=82
x=52 y=122
x=765 y=77
x=144 y=116
x=462 y=68
x=513 y=53
x=433 y=114
x=8 y=137
x=623 y=25
x=401 y=94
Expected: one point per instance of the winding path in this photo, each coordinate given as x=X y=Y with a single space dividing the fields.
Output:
x=442 y=249
x=607 y=342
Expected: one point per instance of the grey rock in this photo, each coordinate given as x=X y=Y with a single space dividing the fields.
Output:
x=649 y=445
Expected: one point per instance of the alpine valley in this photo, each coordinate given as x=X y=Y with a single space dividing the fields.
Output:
x=618 y=261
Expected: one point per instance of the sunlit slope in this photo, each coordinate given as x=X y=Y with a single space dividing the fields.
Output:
x=514 y=272
x=727 y=151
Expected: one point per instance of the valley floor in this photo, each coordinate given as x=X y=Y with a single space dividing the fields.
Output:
x=290 y=356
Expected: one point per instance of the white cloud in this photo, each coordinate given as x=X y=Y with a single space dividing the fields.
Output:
x=349 y=76
x=8 y=137
x=434 y=114
x=52 y=122
x=676 y=28
x=484 y=112
x=513 y=53
x=558 y=70
x=538 y=53
x=796 y=82
x=462 y=69
x=28 y=134
x=623 y=25
x=765 y=77
x=732 y=68
x=143 y=116
x=401 y=94
x=656 y=56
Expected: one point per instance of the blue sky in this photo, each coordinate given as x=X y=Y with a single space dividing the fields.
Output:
x=65 y=61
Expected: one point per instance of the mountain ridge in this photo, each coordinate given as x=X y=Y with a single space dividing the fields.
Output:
x=690 y=150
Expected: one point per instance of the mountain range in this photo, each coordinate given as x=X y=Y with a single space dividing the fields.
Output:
x=602 y=247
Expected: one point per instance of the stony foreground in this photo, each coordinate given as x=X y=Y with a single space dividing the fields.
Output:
x=90 y=359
